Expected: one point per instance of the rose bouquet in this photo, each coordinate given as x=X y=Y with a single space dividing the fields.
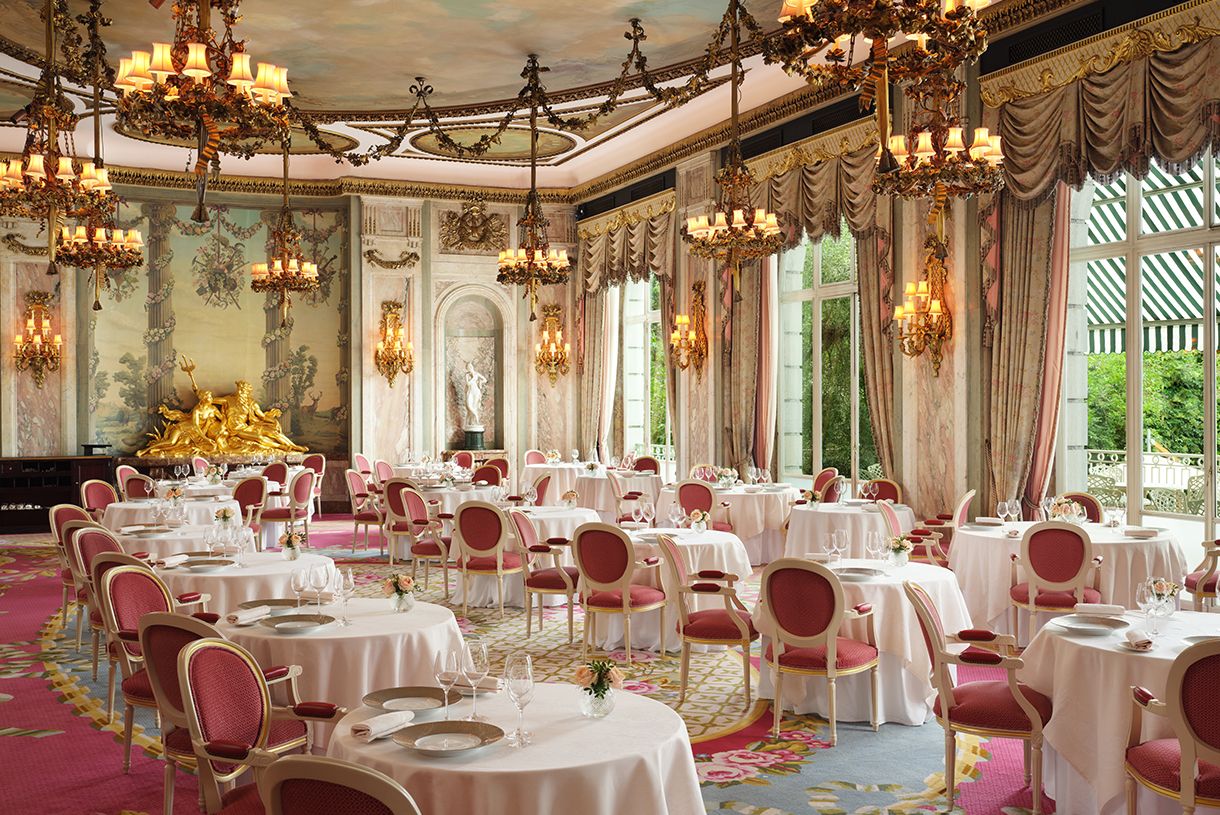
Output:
x=597 y=677
x=1163 y=590
x=225 y=516
x=591 y=466
x=174 y=496
x=900 y=544
x=552 y=456
x=1065 y=509
x=570 y=498
x=398 y=584
x=293 y=539
x=213 y=473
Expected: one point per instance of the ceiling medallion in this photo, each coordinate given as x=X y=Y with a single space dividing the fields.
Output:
x=201 y=87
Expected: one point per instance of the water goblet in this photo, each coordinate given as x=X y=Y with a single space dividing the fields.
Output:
x=1146 y=599
x=650 y=512
x=1047 y=502
x=531 y=496
x=446 y=668
x=300 y=582
x=828 y=545
x=319 y=578
x=841 y=543
x=1014 y=510
x=614 y=462
x=873 y=545
x=637 y=512
x=675 y=514
x=475 y=666
x=347 y=588
x=519 y=676
x=1001 y=510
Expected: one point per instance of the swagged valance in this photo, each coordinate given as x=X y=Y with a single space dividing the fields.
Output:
x=630 y=244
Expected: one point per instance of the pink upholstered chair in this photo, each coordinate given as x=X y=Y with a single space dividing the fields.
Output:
x=887 y=489
x=313 y=785
x=364 y=512
x=383 y=470
x=138 y=486
x=606 y=560
x=276 y=471
x=535 y=457
x=121 y=474
x=990 y=708
x=948 y=525
x=300 y=495
x=360 y=463
x=162 y=636
x=697 y=494
x=541 y=484
x=621 y=515
x=407 y=514
x=540 y=578
x=230 y=718
x=704 y=472
x=60 y=514
x=644 y=464
x=1194 y=751
x=927 y=541
x=317 y=463
x=1058 y=559
x=95 y=496
x=251 y=497
x=464 y=459
x=84 y=544
x=481 y=531
x=729 y=626
x=1201 y=583
x=127 y=592
x=822 y=479
x=835 y=489
x=501 y=464
x=488 y=473
x=804 y=606
x=1090 y=503
x=199 y=464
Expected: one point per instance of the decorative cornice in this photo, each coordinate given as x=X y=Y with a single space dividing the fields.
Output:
x=1137 y=40
x=815 y=150
x=1003 y=17
x=629 y=214
x=13 y=241
x=405 y=261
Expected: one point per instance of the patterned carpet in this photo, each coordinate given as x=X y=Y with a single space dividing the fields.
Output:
x=742 y=768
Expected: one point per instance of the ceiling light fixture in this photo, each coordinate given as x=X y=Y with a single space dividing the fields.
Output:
x=287 y=270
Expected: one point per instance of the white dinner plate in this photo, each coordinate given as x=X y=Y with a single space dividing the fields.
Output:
x=1198 y=638
x=423 y=700
x=278 y=606
x=1090 y=626
x=1129 y=647
x=296 y=624
x=442 y=739
x=208 y=565
x=858 y=574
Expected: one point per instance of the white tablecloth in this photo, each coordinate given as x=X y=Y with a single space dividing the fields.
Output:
x=758 y=517
x=205 y=490
x=451 y=498
x=1090 y=681
x=596 y=493
x=723 y=551
x=981 y=558
x=563 y=478
x=267 y=576
x=809 y=523
x=383 y=649
x=183 y=539
x=636 y=760
x=906 y=694
x=126 y=513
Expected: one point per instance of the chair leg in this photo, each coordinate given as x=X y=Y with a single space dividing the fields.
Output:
x=445 y=570
x=79 y=625
x=168 y=794
x=1037 y=790
x=1131 y=789
x=950 y=766
x=778 y=703
x=1026 y=749
x=830 y=703
x=110 y=692
x=465 y=593
x=664 y=632
x=541 y=605
x=500 y=593
x=876 y=672
x=97 y=635
x=745 y=661
x=427 y=569
x=584 y=649
x=129 y=715
x=686 y=671
x=627 y=636
x=414 y=564
x=356 y=534
x=529 y=612
x=571 y=618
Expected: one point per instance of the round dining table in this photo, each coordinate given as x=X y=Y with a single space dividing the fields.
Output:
x=381 y=649
x=563 y=478
x=757 y=514
x=636 y=760
x=1089 y=679
x=906 y=695
x=809 y=522
x=596 y=492
x=450 y=498
x=981 y=557
x=177 y=540
x=199 y=512
x=266 y=576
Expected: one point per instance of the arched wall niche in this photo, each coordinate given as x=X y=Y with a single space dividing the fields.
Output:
x=474 y=325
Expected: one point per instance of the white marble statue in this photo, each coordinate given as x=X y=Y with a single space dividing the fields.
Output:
x=474 y=394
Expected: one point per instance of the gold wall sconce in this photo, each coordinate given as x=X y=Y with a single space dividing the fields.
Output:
x=688 y=342
x=393 y=355
x=551 y=355
x=923 y=317
x=36 y=350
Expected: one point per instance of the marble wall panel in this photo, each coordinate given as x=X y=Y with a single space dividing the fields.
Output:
x=458 y=352
x=37 y=410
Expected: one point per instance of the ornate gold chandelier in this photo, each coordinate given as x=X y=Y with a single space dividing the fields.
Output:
x=551 y=356
x=36 y=351
x=201 y=87
x=534 y=263
x=393 y=356
x=47 y=182
x=287 y=270
x=736 y=232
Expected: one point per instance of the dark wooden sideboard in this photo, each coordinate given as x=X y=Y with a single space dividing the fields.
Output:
x=41 y=483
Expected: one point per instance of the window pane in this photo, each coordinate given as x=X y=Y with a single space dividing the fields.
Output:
x=836 y=383
x=1108 y=216
x=796 y=385
x=658 y=418
x=1173 y=392
x=838 y=257
x=1105 y=393
x=1171 y=202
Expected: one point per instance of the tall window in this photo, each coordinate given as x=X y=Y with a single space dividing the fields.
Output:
x=1139 y=409
x=646 y=426
x=823 y=416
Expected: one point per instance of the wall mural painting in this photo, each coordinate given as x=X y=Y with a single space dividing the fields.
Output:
x=197 y=302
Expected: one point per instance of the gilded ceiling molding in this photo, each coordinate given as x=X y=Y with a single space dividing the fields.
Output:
x=13 y=241
x=405 y=261
x=473 y=229
x=1191 y=23
x=629 y=214
x=816 y=149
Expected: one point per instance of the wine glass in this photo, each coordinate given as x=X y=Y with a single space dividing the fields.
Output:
x=446 y=667
x=531 y=496
x=872 y=545
x=614 y=462
x=675 y=514
x=1001 y=510
x=347 y=588
x=239 y=543
x=1047 y=502
x=828 y=545
x=840 y=543
x=319 y=578
x=475 y=665
x=1014 y=510
x=1147 y=602
x=637 y=512
x=300 y=582
x=519 y=676
x=650 y=512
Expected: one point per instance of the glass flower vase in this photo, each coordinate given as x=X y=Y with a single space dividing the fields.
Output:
x=899 y=558
x=596 y=707
x=402 y=602
x=290 y=552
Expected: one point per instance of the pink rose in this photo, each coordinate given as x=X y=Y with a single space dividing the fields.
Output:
x=583 y=676
x=388 y=587
x=757 y=758
x=717 y=773
x=803 y=736
x=638 y=687
x=616 y=678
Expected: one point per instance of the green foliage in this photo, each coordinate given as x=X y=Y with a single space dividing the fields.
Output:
x=1172 y=400
x=657 y=394
x=133 y=390
x=1107 y=401
x=302 y=369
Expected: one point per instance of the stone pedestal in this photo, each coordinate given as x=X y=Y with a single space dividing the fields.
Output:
x=474 y=436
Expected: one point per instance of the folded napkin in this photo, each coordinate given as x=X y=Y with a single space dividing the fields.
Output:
x=487 y=683
x=1099 y=609
x=1139 y=640
x=171 y=561
x=817 y=557
x=311 y=596
x=987 y=519
x=381 y=726
x=1139 y=532
x=248 y=615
